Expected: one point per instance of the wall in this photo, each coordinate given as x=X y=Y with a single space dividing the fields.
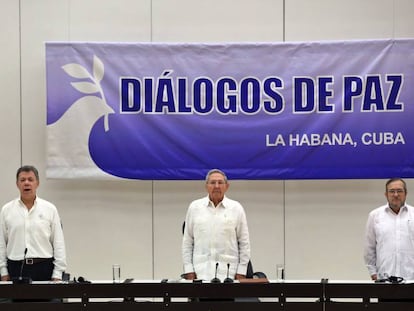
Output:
x=314 y=226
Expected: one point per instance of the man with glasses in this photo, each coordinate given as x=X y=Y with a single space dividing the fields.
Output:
x=389 y=238
x=216 y=237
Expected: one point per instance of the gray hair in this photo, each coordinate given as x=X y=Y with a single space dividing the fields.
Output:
x=216 y=170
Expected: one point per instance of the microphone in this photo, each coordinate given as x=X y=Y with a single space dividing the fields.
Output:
x=228 y=279
x=216 y=279
x=24 y=260
x=21 y=279
x=82 y=280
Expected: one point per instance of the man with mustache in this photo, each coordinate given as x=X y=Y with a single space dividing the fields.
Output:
x=216 y=237
x=389 y=239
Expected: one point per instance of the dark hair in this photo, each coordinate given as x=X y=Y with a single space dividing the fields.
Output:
x=27 y=168
x=396 y=179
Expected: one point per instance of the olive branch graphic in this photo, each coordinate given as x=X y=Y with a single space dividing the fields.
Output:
x=78 y=71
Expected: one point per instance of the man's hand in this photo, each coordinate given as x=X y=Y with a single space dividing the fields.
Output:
x=5 y=277
x=190 y=276
x=240 y=276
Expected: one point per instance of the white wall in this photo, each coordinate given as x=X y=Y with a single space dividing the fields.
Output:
x=314 y=226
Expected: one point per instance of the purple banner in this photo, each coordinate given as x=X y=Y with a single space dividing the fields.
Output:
x=307 y=110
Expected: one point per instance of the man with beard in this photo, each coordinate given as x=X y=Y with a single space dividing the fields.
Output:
x=389 y=239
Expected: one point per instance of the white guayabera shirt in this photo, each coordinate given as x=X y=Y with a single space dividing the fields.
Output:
x=389 y=242
x=215 y=235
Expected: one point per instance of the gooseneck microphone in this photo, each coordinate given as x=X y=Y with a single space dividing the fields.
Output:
x=22 y=266
x=228 y=279
x=216 y=279
x=21 y=279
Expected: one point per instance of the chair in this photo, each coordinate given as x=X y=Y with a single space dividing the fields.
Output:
x=254 y=275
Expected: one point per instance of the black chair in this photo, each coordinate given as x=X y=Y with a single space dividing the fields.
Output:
x=254 y=275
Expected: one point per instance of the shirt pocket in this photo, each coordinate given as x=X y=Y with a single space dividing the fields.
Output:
x=229 y=225
x=384 y=230
x=41 y=227
x=226 y=258
x=410 y=232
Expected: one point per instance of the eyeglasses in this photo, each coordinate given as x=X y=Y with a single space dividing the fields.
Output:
x=396 y=191
x=216 y=182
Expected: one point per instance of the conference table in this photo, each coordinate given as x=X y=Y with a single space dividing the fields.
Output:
x=182 y=295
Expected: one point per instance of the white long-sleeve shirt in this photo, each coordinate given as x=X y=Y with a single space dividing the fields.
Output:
x=389 y=242
x=38 y=230
x=215 y=235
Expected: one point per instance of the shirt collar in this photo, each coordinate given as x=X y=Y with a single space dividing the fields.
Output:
x=402 y=208
x=223 y=202
x=22 y=203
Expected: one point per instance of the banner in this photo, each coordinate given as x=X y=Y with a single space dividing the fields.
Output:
x=172 y=111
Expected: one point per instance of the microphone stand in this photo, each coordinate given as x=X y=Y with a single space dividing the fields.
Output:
x=21 y=279
x=216 y=279
x=227 y=279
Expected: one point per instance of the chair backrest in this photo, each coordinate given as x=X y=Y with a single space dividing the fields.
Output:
x=250 y=271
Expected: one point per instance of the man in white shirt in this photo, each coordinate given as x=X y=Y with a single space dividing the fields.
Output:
x=216 y=237
x=389 y=239
x=31 y=236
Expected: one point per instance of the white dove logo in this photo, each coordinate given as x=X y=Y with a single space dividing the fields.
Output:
x=68 y=152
